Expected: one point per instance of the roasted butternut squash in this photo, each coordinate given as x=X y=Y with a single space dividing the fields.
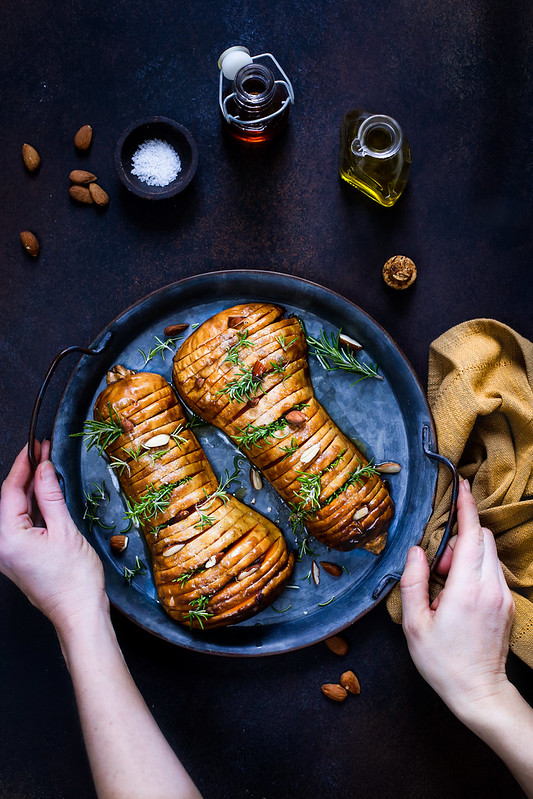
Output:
x=214 y=560
x=245 y=371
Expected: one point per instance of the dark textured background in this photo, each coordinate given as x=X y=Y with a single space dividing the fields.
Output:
x=458 y=78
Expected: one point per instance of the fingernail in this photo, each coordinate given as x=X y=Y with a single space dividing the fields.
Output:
x=47 y=471
x=466 y=485
x=415 y=553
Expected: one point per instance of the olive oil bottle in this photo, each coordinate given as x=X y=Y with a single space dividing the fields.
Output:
x=374 y=155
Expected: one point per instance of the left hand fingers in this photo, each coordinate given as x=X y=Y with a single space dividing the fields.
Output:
x=16 y=491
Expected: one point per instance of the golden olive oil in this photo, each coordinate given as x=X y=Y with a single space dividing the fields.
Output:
x=374 y=155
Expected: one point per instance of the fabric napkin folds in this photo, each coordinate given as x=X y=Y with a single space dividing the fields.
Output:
x=480 y=390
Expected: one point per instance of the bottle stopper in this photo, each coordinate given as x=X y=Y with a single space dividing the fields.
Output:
x=233 y=59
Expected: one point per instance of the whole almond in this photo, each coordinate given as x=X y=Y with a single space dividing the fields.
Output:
x=118 y=543
x=30 y=243
x=99 y=196
x=126 y=424
x=350 y=682
x=337 y=644
x=331 y=568
x=31 y=158
x=198 y=383
x=82 y=176
x=81 y=194
x=296 y=418
x=83 y=138
x=174 y=330
x=259 y=369
x=334 y=691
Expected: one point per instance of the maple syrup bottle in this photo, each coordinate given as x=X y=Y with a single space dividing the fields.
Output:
x=256 y=107
x=374 y=155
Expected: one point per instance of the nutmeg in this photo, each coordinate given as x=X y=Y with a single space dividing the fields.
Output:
x=399 y=272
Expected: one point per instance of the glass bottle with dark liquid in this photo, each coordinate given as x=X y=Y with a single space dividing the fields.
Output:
x=256 y=107
x=374 y=155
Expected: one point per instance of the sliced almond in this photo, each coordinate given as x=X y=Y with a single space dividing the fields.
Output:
x=247 y=572
x=160 y=440
x=31 y=158
x=349 y=681
x=172 y=550
x=211 y=562
x=361 y=513
x=256 y=479
x=349 y=342
x=81 y=176
x=174 y=330
x=334 y=691
x=310 y=453
x=30 y=243
x=315 y=572
x=388 y=467
x=331 y=568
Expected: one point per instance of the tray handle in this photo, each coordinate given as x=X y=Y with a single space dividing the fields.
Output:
x=434 y=456
x=40 y=396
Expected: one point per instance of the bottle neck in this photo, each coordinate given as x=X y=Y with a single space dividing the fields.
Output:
x=379 y=136
x=255 y=88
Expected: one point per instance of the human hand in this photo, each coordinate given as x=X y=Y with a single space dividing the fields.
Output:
x=459 y=644
x=54 y=566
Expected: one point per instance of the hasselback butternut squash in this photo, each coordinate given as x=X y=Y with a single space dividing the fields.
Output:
x=245 y=371
x=214 y=560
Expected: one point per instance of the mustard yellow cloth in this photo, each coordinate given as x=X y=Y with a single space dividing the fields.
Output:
x=480 y=390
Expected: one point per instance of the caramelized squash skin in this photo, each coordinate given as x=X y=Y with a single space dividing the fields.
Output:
x=255 y=342
x=207 y=572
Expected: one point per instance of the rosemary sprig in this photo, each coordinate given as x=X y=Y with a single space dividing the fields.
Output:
x=323 y=604
x=92 y=507
x=153 y=502
x=155 y=456
x=160 y=348
x=290 y=449
x=198 y=611
x=357 y=476
x=183 y=577
x=177 y=437
x=224 y=482
x=282 y=338
x=251 y=435
x=243 y=387
x=309 y=491
x=305 y=549
x=204 y=522
x=134 y=454
x=119 y=465
x=100 y=433
x=278 y=367
x=333 y=356
x=138 y=568
x=232 y=354
x=284 y=610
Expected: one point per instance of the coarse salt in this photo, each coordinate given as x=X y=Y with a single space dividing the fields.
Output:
x=156 y=163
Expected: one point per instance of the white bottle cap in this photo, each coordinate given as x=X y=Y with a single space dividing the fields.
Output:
x=233 y=59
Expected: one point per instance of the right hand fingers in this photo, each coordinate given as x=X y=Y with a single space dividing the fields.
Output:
x=414 y=588
x=467 y=560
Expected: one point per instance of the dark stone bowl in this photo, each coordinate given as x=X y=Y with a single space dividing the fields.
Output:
x=166 y=130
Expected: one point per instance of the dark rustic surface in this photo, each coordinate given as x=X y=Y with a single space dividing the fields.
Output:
x=458 y=78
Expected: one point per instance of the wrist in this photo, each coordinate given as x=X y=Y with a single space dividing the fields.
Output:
x=85 y=632
x=483 y=712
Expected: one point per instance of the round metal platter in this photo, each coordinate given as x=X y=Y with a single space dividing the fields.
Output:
x=386 y=418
